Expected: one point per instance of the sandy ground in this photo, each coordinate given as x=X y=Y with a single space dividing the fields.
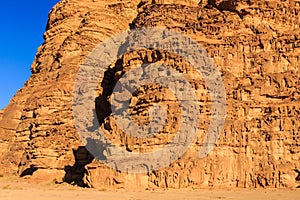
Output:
x=12 y=188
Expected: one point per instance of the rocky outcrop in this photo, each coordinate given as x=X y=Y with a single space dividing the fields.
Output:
x=1 y=114
x=255 y=45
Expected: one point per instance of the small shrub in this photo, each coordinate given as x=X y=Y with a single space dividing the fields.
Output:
x=6 y=187
x=102 y=190
x=9 y=187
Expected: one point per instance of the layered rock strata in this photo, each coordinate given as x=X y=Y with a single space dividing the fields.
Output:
x=255 y=45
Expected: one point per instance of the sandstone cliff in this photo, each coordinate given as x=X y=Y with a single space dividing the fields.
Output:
x=256 y=46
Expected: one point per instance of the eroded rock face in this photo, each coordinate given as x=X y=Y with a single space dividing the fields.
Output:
x=1 y=114
x=255 y=45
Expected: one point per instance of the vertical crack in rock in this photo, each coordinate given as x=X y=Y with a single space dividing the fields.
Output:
x=78 y=173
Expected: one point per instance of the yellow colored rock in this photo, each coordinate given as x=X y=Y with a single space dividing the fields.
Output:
x=256 y=47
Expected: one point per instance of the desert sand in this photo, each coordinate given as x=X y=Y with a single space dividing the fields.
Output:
x=12 y=188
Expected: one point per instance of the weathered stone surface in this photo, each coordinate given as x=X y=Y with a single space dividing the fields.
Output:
x=256 y=46
x=1 y=114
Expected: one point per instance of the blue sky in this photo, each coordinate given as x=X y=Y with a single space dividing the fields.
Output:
x=22 y=24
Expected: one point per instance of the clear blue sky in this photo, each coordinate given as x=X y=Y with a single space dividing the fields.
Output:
x=22 y=24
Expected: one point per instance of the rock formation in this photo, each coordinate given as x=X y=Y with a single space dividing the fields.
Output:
x=256 y=46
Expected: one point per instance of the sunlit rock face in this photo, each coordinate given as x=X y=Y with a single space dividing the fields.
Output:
x=254 y=44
